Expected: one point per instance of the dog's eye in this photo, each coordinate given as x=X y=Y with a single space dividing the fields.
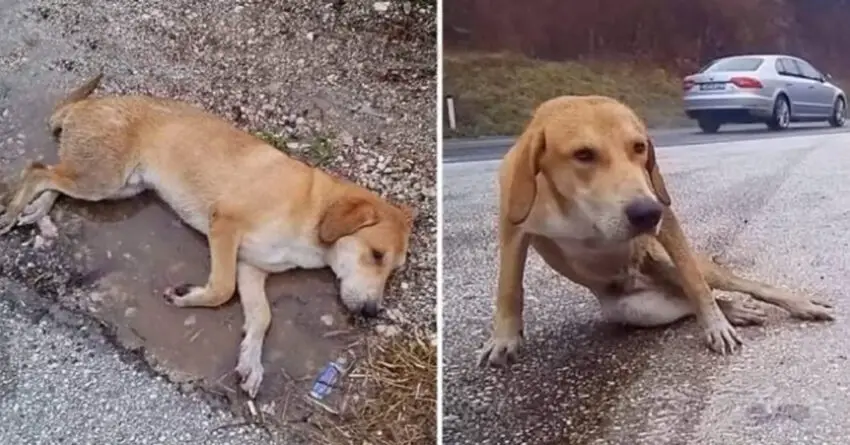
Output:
x=377 y=255
x=585 y=155
x=639 y=148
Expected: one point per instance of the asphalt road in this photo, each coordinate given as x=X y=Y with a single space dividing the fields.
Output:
x=775 y=209
x=489 y=148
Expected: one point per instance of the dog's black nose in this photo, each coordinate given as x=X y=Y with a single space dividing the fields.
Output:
x=370 y=310
x=644 y=213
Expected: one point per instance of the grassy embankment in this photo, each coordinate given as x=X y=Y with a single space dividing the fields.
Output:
x=495 y=93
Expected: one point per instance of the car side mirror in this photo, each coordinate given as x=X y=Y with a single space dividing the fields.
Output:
x=827 y=77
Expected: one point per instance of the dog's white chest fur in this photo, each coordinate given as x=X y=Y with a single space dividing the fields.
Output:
x=277 y=254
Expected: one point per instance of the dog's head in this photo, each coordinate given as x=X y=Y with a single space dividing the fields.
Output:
x=594 y=156
x=368 y=240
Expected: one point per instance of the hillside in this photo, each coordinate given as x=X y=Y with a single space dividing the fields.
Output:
x=636 y=50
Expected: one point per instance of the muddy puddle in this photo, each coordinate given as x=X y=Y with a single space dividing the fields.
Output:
x=125 y=253
x=138 y=249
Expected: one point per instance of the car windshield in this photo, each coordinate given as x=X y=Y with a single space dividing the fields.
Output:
x=734 y=64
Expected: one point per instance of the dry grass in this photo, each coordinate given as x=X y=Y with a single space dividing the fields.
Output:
x=496 y=93
x=399 y=380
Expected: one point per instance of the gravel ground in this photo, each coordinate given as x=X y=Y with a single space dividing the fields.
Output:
x=775 y=210
x=346 y=85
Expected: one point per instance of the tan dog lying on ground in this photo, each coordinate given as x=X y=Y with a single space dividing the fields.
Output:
x=262 y=211
x=581 y=187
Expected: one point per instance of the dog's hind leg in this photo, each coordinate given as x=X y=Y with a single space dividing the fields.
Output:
x=38 y=179
x=651 y=308
x=35 y=179
x=39 y=208
x=35 y=195
x=644 y=309
x=798 y=306
x=719 y=278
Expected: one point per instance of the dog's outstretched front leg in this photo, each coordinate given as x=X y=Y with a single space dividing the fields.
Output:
x=507 y=336
x=255 y=306
x=224 y=238
x=719 y=333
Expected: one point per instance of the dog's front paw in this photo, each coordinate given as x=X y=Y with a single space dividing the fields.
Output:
x=250 y=370
x=720 y=335
x=502 y=348
x=177 y=295
x=813 y=310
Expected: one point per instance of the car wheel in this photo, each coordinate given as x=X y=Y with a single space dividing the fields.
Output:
x=781 y=117
x=708 y=125
x=839 y=113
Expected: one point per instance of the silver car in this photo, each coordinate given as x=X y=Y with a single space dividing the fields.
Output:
x=773 y=89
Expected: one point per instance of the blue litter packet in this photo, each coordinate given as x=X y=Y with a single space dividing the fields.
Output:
x=324 y=383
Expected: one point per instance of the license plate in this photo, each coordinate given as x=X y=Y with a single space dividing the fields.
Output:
x=712 y=86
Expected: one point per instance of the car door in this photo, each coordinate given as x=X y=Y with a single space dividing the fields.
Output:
x=795 y=86
x=804 y=96
x=821 y=92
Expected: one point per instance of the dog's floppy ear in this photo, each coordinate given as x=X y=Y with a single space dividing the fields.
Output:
x=655 y=178
x=346 y=216
x=523 y=187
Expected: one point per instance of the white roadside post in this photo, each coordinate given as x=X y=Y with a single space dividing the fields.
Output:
x=450 y=107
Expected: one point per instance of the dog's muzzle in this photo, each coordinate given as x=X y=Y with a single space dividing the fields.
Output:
x=359 y=301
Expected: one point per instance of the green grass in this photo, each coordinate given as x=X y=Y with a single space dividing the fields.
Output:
x=495 y=94
x=275 y=140
x=318 y=150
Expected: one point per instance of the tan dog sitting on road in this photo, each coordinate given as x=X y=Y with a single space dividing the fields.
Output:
x=581 y=186
x=262 y=211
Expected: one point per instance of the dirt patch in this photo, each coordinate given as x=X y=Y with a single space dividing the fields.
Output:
x=495 y=94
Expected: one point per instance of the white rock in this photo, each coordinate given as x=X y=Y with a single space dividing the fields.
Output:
x=381 y=6
x=328 y=319
x=387 y=330
x=296 y=145
x=47 y=228
x=39 y=242
x=347 y=139
x=395 y=315
x=96 y=297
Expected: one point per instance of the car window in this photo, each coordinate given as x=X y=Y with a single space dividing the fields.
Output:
x=734 y=64
x=808 y=70
x=791 y=67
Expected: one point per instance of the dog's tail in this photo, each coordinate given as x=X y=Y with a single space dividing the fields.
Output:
x=61 y=108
